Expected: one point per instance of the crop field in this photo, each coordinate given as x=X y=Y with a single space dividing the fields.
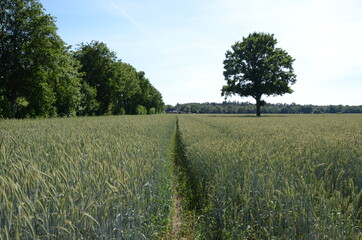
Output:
x=85 y=178
x=274 y=177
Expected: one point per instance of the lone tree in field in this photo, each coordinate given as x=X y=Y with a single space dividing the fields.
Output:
x=254 y=67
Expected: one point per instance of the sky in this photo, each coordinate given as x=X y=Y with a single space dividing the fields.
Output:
x=181 y=45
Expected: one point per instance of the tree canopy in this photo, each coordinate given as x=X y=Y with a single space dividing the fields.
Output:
x=255 y=67
x=118 y=87
x=40 y=76
x=37 y=72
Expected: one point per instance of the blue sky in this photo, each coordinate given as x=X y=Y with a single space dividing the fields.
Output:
x=181 y=45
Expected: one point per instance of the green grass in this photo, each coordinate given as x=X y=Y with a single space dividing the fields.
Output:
x=242 y=177
x=85 y=178
x=277 y=177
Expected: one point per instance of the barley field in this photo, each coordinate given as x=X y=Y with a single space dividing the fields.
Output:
x=85 y=178
x=274 y=177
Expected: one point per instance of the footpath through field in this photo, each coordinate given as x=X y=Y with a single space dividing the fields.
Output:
x=185 y=199
x=274 y=177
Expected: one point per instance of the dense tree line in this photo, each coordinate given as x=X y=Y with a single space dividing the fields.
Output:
x=112 y=86
x=249 y=108
x=41 y=76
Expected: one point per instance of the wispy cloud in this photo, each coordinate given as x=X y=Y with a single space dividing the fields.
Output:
x=181 y=44
x=135 y=23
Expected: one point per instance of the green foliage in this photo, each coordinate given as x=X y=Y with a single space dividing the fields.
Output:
x=40 y=77
x=88 y=105
x=126 y=87
x=152 y=111
x=120 y=88
x=35 y=65
x=67 y=85
x=141 y=110
x=248 y=108
x=41 y=101
x=255 y=67
x=118 y=109
x=97 y=63
x=149 y=97
x=5 y=110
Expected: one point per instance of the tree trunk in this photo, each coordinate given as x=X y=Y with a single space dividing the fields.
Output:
x=258 y=105
x=13 y=105
x=258 y=109
x=13 y=109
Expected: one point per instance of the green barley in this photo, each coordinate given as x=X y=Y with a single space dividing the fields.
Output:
x=276 y=177
x=85 y=178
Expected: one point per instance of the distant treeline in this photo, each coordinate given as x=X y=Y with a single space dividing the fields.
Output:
x=249 y=108
x=40 y=76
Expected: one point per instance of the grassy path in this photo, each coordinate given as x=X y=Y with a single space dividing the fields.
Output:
x=185 y=199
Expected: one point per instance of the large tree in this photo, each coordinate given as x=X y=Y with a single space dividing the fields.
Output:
x=255 y=67
x=116 y=86
x=37 y=73
x=132 y=89
x=98 y=65
x=149 y=97
x=125 y=89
